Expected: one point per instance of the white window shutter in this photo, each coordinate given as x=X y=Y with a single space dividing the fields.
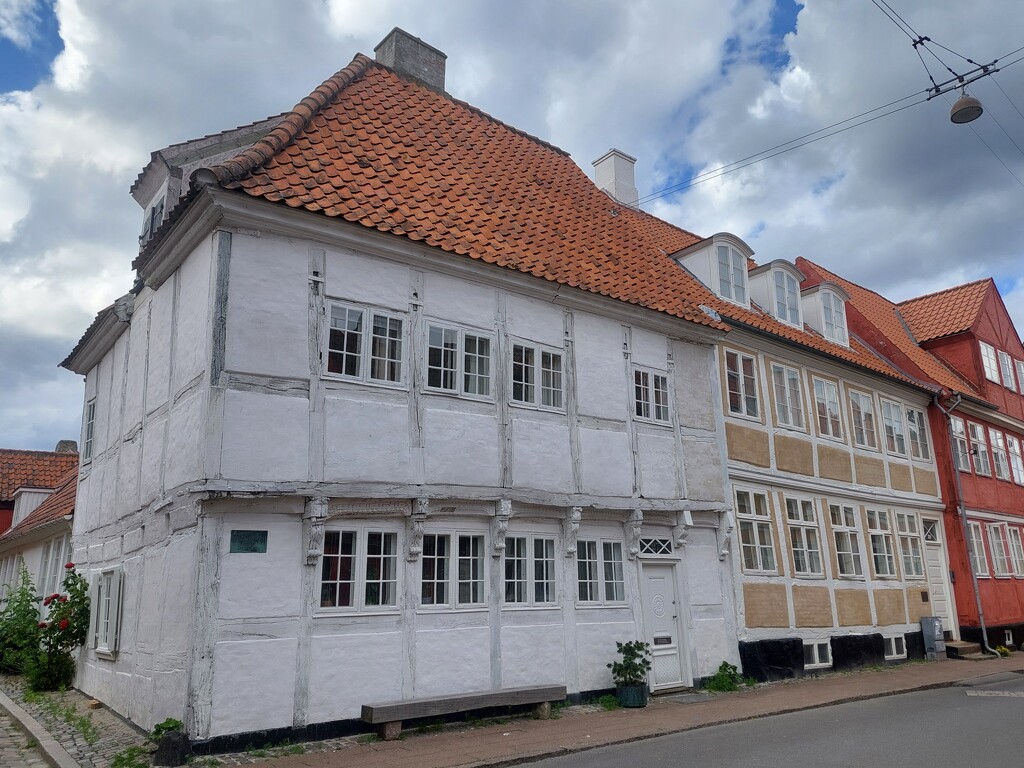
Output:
x=94 y=609
x=115 y=602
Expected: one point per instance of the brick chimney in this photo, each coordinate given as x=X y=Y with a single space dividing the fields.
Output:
x=613 y=173
x=412 y=58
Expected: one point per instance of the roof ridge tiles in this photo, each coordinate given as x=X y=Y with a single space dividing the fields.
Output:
x=933 y=294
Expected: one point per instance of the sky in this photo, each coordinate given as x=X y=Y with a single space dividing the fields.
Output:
x=905 y=204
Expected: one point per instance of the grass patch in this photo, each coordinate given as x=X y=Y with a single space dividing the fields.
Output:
x=367 y=738
x=131 y=757
x=608 y=702
x=58 y=708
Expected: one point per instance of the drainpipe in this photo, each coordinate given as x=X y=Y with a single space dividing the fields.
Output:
x=947 y=412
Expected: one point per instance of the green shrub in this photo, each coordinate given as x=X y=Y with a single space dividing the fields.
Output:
x=1002 y=650
x=19 y=625
x=633 y=665
x=727 y=678
x=65 y=628
x=166 y=726
x=608 y=702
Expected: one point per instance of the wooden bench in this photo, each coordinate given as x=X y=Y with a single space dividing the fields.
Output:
x=388 y=716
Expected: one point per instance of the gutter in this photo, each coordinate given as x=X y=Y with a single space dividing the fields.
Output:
x=963 y=517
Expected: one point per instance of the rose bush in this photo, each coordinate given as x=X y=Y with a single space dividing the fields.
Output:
x=66 y=627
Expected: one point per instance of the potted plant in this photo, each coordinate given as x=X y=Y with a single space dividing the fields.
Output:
x=630 y=673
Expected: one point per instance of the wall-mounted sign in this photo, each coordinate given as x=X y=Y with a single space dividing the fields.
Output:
x=663 y=640
x=252 y=542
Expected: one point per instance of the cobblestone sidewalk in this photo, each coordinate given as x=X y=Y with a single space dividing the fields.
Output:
x=16 y=749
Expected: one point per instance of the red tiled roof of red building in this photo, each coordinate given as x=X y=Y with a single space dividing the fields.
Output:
x=58 y=504
x=885 y=316
x=373 y=148
x=944 y=313
x=32 y=469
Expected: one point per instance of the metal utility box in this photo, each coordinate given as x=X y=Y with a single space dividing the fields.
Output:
x=934 y=640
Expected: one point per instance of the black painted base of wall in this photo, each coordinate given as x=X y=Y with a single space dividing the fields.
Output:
x=853 y=651
x=996 y=634
x=766 y=660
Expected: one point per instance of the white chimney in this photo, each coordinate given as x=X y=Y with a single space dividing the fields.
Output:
x=411 y=57
x=613 y=173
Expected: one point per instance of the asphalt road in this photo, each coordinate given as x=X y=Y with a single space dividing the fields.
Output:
x=978 y=724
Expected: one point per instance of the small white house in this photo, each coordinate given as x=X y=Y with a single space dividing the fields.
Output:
x=402 y=405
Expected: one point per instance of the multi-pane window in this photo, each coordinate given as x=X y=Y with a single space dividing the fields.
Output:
x=844 y=531
x=978 y=560
x=880 y=531
x=787 y=298
x=353 y=352
x=917 y=429
x=895 y=647
x=359 y=569
x=910 y=544
x=536 y=376
x=90 y=429
x=862 y=411
x=1000 y=549
x=650 y=395
x=834 y=318
x=1016 y=462
x=106 y=611
x=439 y=582
x=826 y=401
x=599 y=573
x=817 y=655
x=1019 y=364
x=741 y=379
x=1006 y=370
x=999 y=455
x=803 y=537
x=892 y=421
x=962 y=450
x=732 y=274
x=789 y=409
x=989 y=362
x=1017 y=551
x=529 y=570
x=979 y=449
x=756 y=541
x=56 y=552
x=459 y=361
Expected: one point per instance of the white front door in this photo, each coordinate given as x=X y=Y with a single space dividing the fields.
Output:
x=938 y=575
x=661 y=625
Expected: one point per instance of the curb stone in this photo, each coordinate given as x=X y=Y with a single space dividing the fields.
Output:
x=52 y=752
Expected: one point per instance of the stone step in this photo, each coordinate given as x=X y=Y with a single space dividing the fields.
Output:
x=958 y=649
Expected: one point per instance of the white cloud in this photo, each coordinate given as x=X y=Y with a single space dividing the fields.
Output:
x=18 y=20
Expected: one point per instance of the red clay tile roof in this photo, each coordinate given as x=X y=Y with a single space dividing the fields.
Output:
x=886 y=317
x=32 y=469
x=375 y=149
x=58 y=504
x=944 y=313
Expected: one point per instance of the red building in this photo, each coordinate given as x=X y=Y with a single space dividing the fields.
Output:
x=963 y=342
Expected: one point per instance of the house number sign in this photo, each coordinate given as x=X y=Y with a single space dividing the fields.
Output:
x=251 y=542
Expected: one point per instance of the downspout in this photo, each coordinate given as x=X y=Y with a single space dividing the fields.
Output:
x=963 y=516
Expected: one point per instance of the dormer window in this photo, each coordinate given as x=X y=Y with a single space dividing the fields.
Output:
x=787 y=301
x=154 y=217
x=834 y=318
x=732 y=274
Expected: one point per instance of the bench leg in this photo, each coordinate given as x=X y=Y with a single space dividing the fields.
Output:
x=542 y=711
x=389 y=731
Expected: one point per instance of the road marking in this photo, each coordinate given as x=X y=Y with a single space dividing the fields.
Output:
x=1015 y=694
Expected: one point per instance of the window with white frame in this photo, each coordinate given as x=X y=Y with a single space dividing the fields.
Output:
x=817 y=655
x=895 y=647
x=650 y=395
x=443 y=585
x=862 y=410
x=999 y=455
x=366 y=344
x=880 y=531
x=909 y=533
x=1016 y=551
x=1019 y=365
x=1016 y=461
x=917 y=429
x=1006 y=370
x=997 y=539
x=977 y=542
x=789 y=410
x=892 y=422
x=741 y=383
x=787 y=298
x=359 y=569
x=536 y=376
x=10 y=575
x=979 y=449
x=599 y=575
x=56 y=553
x=732 y=274
x=459 y=361
x=106 y=611
x=89 y=430
x=802 y=521
x=529 y=570
x=826 y=400
x=756 y=542
x=847 y=539
x=834 y=318
x=989 y=362
x=962 y=449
